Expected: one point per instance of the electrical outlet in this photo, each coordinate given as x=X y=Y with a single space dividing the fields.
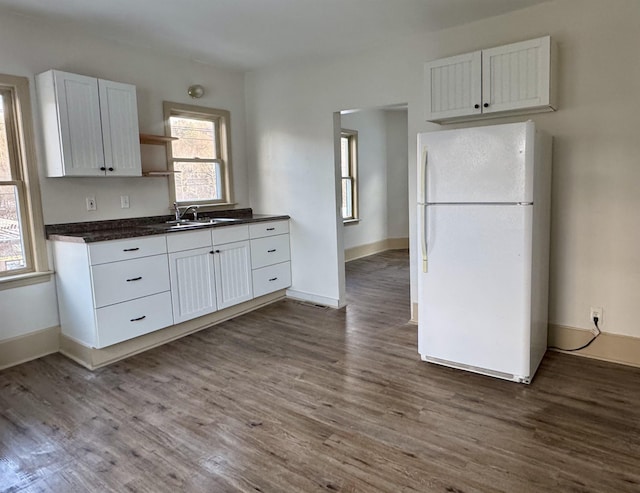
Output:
x=91 y=204
x=124 y=201
x=596 y=311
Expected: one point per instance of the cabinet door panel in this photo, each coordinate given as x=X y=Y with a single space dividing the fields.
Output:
x=233 y=274
x=80 y=127
x=121 y=281
x=193 y=289
x=516 y=76
x=269 y=250
x=271 y=278
x=119 y=113
x=117 y=323
x=271 y=228
x=452 y=86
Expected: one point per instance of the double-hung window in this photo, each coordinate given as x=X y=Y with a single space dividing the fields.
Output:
x=349 y=167
x=21 y=251
x=201 y=156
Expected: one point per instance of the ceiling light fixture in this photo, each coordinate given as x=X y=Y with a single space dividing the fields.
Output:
x=196 y=91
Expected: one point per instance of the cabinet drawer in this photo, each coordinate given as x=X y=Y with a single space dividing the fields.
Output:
x=229 y=234
x=271 y=278
x=117 y=323
x=116 y=250
x=269 y=250
x=129 y=279
x=258 y=230
x=188 y=240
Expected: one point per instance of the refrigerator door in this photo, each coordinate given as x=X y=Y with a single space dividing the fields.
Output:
x=477 y=165
x=475 y=298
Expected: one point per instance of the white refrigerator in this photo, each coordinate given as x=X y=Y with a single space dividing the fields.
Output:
x=483 y=252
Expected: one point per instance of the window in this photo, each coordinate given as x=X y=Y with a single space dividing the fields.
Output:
x=21 y=252
x=349 y=167
x=201 y=157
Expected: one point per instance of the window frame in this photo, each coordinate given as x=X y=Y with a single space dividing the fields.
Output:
x=24 y=175
x=352 y=137
x=222 y=120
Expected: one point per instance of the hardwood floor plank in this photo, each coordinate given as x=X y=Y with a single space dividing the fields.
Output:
x=299 y=398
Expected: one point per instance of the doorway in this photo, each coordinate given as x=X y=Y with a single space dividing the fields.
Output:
x=373 y=180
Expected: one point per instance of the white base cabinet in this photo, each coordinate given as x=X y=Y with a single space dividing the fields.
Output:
x=112 y=291
x=505 y=80
x=270 y=257
x=104 y=299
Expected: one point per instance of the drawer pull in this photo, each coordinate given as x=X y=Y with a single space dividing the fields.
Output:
x=138 y=319
x=131 y=249
x=271 y=251
x=273 y=279
x=134 y=279
x=271 y=229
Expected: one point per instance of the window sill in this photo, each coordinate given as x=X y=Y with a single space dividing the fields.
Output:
x=20 y=280
x=346 y=222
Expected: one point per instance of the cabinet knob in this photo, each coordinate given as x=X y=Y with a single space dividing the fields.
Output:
x=102 y=168
x=486 y=105
x=476 y=106
x=110 y=169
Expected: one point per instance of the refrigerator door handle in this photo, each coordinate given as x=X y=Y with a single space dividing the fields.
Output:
x=423 y=238
x=423 y=177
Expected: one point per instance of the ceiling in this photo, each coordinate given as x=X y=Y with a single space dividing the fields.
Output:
x=252 y=34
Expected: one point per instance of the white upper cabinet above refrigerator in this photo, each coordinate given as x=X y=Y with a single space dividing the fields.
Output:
x=512 y=79
x=90 y=125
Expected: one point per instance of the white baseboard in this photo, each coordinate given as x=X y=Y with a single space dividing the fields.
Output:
x=607 y=347
x=30 y=346
x=361 y=251
x=314 y=298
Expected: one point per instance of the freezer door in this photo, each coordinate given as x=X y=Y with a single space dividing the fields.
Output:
x=475 y=298
x=477 y=165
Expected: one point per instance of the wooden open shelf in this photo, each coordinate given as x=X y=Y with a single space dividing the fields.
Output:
x=157 y=140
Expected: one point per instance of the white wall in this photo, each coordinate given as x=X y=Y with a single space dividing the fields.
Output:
x=595 y=225
x=397 y=174
x=31 y=47
x=36 y=46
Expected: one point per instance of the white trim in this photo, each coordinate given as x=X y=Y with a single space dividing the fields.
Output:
x=314 y=298
x=27 y=347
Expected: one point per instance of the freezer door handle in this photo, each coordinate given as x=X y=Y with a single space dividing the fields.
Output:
x=423 y=177
x=422 y=210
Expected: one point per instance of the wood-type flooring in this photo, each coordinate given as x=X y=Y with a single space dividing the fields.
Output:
x=300 y=398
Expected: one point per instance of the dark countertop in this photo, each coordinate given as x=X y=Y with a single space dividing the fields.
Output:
x=117 y=229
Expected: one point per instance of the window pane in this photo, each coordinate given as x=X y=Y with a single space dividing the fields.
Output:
x=197 y=138
x=12 y=254
x=5 y=168
x=344 y=155
x=198 y=181
x=347 y=198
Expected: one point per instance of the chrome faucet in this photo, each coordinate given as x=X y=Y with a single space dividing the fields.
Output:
x=180 y=215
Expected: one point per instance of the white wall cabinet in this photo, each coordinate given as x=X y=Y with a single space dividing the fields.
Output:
x=112 y=291
x=90 y=125
x=512 y=79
